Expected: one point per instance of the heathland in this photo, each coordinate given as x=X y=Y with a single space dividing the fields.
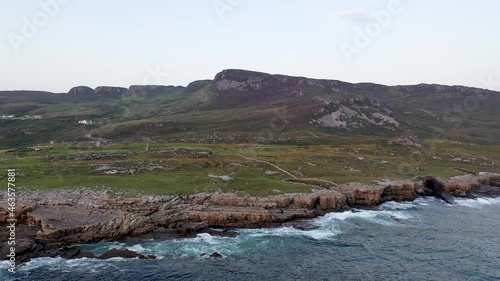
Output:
x=246 y=131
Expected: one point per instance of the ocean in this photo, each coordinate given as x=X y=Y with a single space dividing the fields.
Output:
x=422 y=240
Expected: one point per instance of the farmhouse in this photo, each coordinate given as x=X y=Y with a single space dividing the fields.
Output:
x=86 y=122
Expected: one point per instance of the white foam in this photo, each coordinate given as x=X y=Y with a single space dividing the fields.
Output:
x=4 y=265
x=138 y=248
x=398 y=206
x=348 y=215
x=477 y=203
x=194 y=247
x=328 y=227
x=382 y=217
x=391 y=205
x=323 y=233
x=207 y=238
x=63 y=264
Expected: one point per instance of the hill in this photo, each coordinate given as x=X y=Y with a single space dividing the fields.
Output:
x=240 y=106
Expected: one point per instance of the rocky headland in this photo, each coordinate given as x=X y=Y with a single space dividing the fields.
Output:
x=49 y=222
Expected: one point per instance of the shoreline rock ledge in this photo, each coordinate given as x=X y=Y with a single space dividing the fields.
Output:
x=50 y=221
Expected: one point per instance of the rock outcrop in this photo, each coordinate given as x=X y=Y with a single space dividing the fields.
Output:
x=196 y=86
x=75 y=253
x=110 y=91
x=141 y=92
x=127 y=254
x=81 y=91
x=65 y=218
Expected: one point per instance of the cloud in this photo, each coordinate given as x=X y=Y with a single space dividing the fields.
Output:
x=355 y=16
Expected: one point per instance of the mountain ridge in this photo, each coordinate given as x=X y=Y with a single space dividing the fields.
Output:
x=235 y=72
x=248 y=106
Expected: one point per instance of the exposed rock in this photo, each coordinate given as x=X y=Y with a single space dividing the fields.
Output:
x=222 y=233
x=67 y=218
x=81 y=91
x=399 y=192
x=127 y=254
x=88 y=255
x=37 y=247
x=329 y=201
x=81 y=225
x=216 y=255
x=407 y=141
x=196 y=86
x=491 y=188
x=422 y=190
x=437 y=188
x=433 y=89
x=141 y=92
x=495 y=183
x=110 y=91
x=75 y=253
x=347 y=117
x=364 y=195
x=22 y=246
x=70 y=253
x=307 y=201
x=20 y=212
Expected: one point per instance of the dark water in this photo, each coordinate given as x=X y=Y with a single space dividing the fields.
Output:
x=423 y=240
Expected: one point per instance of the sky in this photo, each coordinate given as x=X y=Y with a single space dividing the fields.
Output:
x=54 y=45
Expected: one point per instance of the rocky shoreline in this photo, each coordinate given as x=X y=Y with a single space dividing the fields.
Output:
x=49 y=222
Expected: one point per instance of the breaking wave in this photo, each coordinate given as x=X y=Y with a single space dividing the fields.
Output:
x=478 y=202
x=247 y=240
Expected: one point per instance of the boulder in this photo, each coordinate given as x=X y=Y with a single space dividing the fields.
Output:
x=216 y=255
x=70 y=253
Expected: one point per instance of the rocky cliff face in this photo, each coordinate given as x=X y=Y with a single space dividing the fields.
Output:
x=71 y=217
x=81 y=91
x=99 y=91
x=434 y=89
x=196 y=86
x=110 y=91
x=328 y=103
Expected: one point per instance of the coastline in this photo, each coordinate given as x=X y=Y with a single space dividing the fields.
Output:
x=50 y=222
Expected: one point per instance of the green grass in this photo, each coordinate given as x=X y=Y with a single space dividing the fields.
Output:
x=186 y=167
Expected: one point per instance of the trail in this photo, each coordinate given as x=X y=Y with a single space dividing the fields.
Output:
x=269 y=163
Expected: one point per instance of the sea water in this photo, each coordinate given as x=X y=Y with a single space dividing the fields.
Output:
x=422 y=240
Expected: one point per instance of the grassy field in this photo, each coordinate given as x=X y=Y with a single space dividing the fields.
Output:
x=181 y=168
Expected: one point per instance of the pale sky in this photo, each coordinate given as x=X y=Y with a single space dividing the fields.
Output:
x=120 y=43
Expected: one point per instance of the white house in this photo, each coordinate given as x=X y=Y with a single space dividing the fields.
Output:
x=86 y=122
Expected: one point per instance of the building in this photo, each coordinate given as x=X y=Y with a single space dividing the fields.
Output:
x=33 y=117
x=86 y=122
